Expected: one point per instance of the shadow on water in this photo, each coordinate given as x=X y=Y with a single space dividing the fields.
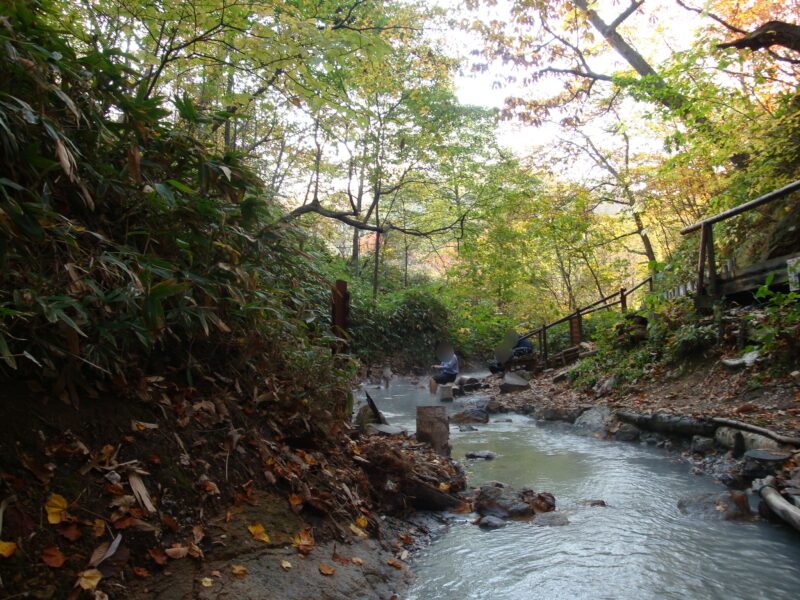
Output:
x=638 y=547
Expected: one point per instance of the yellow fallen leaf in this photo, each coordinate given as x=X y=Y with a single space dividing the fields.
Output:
x=357 y=561
x=206 y=582
x=89 y=579
x=444 y=487
x=258 y=532
x=358 y=531
x=98 y=528
x=56 y=507
x=7 y=549
x=362 y=522
x=239 y=570
x=304 y=541
x=286 y=565
x=326 y=570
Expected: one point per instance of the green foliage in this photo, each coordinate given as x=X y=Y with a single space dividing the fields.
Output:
x=403 y=326
x=778 y=332
x=129 y=246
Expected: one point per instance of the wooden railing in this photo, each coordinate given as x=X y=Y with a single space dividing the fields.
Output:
x=708 y=284
x=575 y=319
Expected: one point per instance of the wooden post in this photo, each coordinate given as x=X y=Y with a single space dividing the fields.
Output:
x=623 y=300
x=701 y=265
x=576 y=329
x=340 y=308
x=433 y=428
x=651 y=283
x=544 y=344
x=712 y=268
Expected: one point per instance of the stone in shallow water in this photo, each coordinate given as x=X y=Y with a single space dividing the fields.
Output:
x=490 y=522
x=702 y=444
x=482 y=454
x=627 y=432
x=471 y=415
x=760 y=463
x=551 y=519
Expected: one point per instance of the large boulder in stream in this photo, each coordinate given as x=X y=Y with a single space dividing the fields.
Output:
x=513 y=383
x=731 y=505
x=470 y=415
x=594 y=420
x=498 y=500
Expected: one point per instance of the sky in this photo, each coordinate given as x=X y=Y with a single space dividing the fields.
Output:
x=674 y=30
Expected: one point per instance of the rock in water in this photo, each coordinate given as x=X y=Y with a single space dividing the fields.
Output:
x=760 y=463
x=726 y=506
x=551 y=519
x=471 y=415
x=513 y=383
x=702 y=444
x=627 y=432
x=464 y=428
x=490 y=522
x=482 y=454
x=594 y=420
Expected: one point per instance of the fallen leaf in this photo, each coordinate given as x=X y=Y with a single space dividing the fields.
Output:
x=394 y=563
x=295 y=500
x=340 y=559
x=304 y=541
x=258 y=532
x=198 y=533
x=141 y=572
x=216 y=573
x=195 y=551
x=444 y=487
x=98 y=528
x=158 y=556
x=169 y=522
x=69 y=531
x=362 y=522
x=326 y=570
x=177 y=551
x=44 y=473
x=104 y=551
x=56 y=507
x=358 y=531
x=286 y=565
x=239 y=570
x=357 y=561
x=141 y=493
x=142 y=426
x=7 y=549
x=206 y=582
x=88 y=579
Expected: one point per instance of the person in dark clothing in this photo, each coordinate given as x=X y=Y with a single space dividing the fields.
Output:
x=447 y=370
x=522 y=347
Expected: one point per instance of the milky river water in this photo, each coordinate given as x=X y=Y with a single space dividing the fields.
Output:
x=639 y=546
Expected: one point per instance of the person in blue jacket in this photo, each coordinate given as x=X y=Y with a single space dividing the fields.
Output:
x=447 y=371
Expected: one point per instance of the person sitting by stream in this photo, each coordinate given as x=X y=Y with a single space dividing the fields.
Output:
x=447 y=370
x=514 y=345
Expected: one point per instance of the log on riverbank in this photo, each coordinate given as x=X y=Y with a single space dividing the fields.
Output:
x=777 y=503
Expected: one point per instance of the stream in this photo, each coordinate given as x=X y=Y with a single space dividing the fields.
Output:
x=639 y=546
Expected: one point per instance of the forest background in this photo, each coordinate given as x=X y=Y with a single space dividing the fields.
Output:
x=183 y=181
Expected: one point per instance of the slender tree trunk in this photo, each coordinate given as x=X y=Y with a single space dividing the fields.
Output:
x=355 y=256
x=376 y=264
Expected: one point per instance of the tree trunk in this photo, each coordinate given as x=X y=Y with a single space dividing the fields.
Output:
x=376 y=264
x=355 y=256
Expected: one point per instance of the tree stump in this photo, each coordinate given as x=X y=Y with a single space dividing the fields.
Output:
x=446 y=393
x=433 y=428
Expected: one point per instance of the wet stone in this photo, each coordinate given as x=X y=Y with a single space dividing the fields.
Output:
x=482 y=455
x=551 y=519
x=702 y=444
x=490 y=522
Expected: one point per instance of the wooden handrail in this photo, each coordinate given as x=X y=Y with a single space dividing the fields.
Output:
x=622 y=294
x=737 y=210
